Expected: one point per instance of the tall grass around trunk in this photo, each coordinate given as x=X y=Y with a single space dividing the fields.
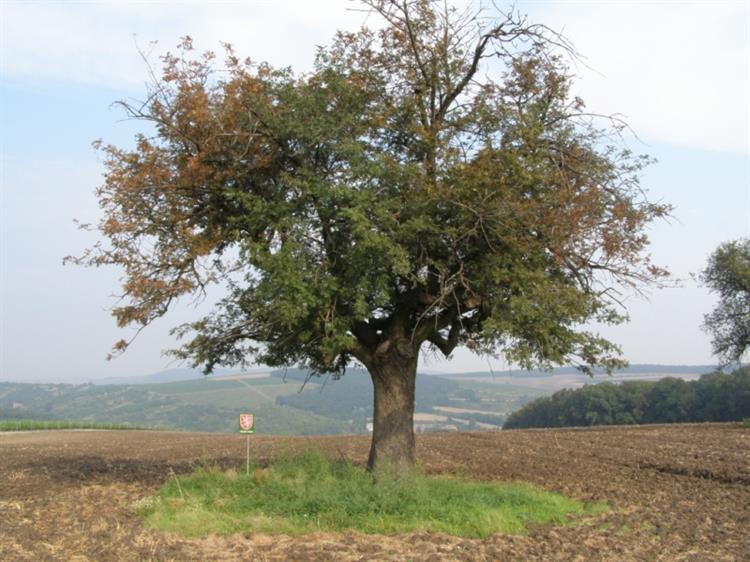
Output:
x=310 y=493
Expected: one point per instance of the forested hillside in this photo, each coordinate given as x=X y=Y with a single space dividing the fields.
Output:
x=715 y=397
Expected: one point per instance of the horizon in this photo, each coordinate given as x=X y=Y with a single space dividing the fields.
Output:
x=195 y=373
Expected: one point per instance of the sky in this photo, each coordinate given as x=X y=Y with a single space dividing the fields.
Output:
x=678 y=72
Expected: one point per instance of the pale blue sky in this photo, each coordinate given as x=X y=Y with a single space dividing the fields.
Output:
x=677 y=70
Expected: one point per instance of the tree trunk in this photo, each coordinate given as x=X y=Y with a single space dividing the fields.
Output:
x=393 y=378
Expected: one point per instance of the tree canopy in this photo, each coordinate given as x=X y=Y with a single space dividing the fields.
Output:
x=430 y=184
x=728 y=275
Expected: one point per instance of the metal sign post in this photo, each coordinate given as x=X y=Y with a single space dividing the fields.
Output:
x=247 y=426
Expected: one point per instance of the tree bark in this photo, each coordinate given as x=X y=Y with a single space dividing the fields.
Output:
x=393 y=376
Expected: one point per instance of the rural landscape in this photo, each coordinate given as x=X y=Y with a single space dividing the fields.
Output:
x=660 y=492
x=427 y=293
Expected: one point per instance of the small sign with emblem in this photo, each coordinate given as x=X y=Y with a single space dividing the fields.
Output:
x=247 y=423
x=247 y=426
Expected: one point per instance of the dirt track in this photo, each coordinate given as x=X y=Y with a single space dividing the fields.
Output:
x=676 y=492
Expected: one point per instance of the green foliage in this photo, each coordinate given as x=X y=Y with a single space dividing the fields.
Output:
x=715 y=397
x=311 y=493
x=728 y=275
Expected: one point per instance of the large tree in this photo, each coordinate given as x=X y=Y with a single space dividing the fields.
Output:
x=728 y=275
x=428 y=185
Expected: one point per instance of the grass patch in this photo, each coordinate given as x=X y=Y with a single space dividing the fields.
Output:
x=746 y=423
x=35 y=425
x=311 y=493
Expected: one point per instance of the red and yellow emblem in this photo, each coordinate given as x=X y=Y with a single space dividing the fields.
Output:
x=247 y=423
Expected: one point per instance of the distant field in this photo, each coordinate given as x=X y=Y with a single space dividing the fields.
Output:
x=36 y=425
x=426 y=418
x=242 y=394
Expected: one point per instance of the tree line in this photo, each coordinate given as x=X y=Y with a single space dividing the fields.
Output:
x=714 y=397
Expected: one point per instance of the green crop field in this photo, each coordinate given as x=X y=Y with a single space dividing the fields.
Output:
x=37 y=425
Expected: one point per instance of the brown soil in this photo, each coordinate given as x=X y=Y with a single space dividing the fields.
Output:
x=676 y=493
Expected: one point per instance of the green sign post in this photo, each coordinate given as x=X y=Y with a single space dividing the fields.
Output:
x=247 y=426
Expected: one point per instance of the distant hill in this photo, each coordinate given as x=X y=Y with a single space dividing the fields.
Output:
x=203 y=404
x=170 y=375
x=173 y=375
x=636 y=369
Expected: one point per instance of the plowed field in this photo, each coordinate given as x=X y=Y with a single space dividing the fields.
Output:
x=676 y=493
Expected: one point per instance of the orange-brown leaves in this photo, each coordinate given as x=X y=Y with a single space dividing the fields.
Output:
x=177 y=200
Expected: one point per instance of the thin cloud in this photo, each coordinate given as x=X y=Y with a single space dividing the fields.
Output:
x=97 y=44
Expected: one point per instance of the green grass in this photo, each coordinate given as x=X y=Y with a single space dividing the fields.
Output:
x=34 y=425
x=311 y=493
x=746 y=423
